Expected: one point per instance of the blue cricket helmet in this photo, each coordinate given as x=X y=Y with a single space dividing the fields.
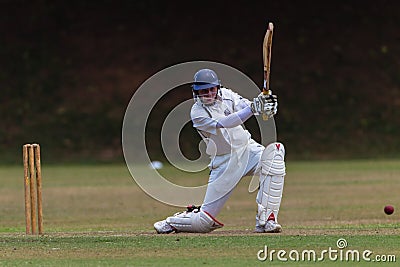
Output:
x=205 y=78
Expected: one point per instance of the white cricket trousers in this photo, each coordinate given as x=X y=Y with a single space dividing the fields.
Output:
x=214 y=207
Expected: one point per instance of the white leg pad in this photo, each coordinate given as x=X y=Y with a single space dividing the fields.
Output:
x=194 y=222
x=271 y=182
x=272 y=161
x=269 y=198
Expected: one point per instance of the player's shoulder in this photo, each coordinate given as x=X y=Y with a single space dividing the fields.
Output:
x=227 y=94
x=226 y=91
x=197 y=110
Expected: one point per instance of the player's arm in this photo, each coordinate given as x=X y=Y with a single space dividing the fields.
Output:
x=236 y=118
x=205 y=123
x=242 y=108
x=261 y=105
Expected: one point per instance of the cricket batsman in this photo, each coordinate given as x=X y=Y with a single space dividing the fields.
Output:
x=218 y=115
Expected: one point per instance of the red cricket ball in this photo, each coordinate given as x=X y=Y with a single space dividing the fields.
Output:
x=388 y=209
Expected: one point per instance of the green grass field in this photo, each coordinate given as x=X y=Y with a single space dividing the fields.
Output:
x=95 y=215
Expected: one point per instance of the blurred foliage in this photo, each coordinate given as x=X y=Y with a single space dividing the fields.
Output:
x=69 y=69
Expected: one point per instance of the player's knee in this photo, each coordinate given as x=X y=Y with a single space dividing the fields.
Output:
x=273 y=159
x=207 y=223
x=273 y=150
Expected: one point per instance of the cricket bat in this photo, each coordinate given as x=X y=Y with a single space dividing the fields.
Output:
x=267 y=49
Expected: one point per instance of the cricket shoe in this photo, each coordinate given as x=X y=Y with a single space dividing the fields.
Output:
x=162 y=227
x=270 y=227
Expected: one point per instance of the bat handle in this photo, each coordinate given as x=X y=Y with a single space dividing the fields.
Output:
x=266 y=92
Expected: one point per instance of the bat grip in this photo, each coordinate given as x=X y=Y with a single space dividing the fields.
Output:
x=266 y=92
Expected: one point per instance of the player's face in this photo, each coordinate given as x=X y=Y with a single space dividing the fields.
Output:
x=207 y=96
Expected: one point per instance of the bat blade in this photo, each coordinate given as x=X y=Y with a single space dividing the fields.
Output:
x=267 y=49
x=267 y=52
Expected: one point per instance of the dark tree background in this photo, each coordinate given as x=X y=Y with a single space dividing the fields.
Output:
x=69 y=68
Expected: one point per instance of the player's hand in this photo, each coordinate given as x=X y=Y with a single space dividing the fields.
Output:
x=265 y=104
x=271 y=106
x=267 y=97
